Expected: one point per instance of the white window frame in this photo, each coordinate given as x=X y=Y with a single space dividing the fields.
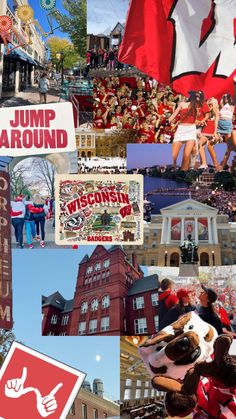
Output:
x=89 y=270
x=84 y=310
x=93 y=329
x=54 y=319
x=106 y=263
x=94 y=304
x=97 y=267
x=140 y=326
x=106 y=301
x=127 y=394
x=138 y=303
x=83 y=331
x=146 y=392
x=105 y=324
x=156 y=322
x=138 y=393
x=154 y=298
x=65 y=320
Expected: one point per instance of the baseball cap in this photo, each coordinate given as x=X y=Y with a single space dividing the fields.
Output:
x=182 y=292
x=211 y=293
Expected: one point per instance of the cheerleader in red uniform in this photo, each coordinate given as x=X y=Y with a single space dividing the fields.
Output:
x=209 y=135
x=186 y=132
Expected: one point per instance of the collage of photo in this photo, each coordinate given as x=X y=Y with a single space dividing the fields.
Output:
x=117 y=209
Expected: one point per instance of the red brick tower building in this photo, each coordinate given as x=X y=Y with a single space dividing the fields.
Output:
x=112 y=297
x=102 y=285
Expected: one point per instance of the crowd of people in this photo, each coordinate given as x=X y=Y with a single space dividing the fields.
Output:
x=224 y=201
x=107 y=165
x=216 y=307
x=31 y=214
x=160 y=115
x=106 y=58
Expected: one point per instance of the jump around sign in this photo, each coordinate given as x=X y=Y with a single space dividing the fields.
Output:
x=39 y=129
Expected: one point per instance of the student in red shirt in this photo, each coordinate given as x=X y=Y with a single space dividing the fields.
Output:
x=167 y=299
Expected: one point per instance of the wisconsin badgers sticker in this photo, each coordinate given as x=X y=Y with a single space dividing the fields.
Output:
x=99 y=208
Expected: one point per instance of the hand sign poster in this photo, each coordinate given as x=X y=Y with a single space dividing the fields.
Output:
x=36 y=386
x=93 y=209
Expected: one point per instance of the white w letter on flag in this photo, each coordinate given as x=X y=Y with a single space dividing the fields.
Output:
x=190 y=55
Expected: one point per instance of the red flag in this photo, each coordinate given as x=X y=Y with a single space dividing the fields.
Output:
x=186 y=43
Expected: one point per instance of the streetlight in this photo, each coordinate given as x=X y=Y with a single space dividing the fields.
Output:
x=213 y=257
x=62 y=66
x=166 y=253
x=60 y=57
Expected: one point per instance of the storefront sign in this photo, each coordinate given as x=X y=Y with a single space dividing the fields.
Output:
x=36 y=386
x=40 y=129
x=99 y=208
x=5 y=254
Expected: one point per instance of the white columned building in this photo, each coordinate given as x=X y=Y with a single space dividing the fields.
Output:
x=189 y=217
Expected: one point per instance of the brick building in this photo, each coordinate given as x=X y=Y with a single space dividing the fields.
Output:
x=88 y=405
x=112 y=297
x=92 y=404
x=17 y=69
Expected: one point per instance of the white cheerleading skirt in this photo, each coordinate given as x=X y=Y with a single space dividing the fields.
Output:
x=185 y=133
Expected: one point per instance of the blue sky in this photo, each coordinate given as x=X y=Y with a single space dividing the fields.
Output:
x=104 y=14
x=141 y=155
x=38 y=272
x=40 y=14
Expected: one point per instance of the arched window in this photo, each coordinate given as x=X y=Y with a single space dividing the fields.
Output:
x=174 y=259
x=204 y=259
x=106 y=301
x=94 y=305
x=65 y=319
x=106 y=263
x=84 y=307
x=54 y=319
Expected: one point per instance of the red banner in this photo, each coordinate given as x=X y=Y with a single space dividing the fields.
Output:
x=186 y=43
x=5 y=254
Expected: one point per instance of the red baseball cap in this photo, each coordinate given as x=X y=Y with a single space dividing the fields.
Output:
x=182 y=292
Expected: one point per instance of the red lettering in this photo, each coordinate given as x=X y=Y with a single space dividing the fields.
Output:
x=49 y=139
x=90 y=199
x=49 y=116
x=71 y=207
x=15 y=123
x=37 y=118
x=27 y=138
x=62 y=138
x=4 y=139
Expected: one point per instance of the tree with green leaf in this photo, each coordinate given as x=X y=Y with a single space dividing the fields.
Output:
x=75 y=24
x=57 y=45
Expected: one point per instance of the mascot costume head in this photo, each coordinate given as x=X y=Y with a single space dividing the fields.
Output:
x=192 y=365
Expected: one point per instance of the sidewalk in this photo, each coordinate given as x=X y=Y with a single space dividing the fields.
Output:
x=49 y=238
x=30 y=96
